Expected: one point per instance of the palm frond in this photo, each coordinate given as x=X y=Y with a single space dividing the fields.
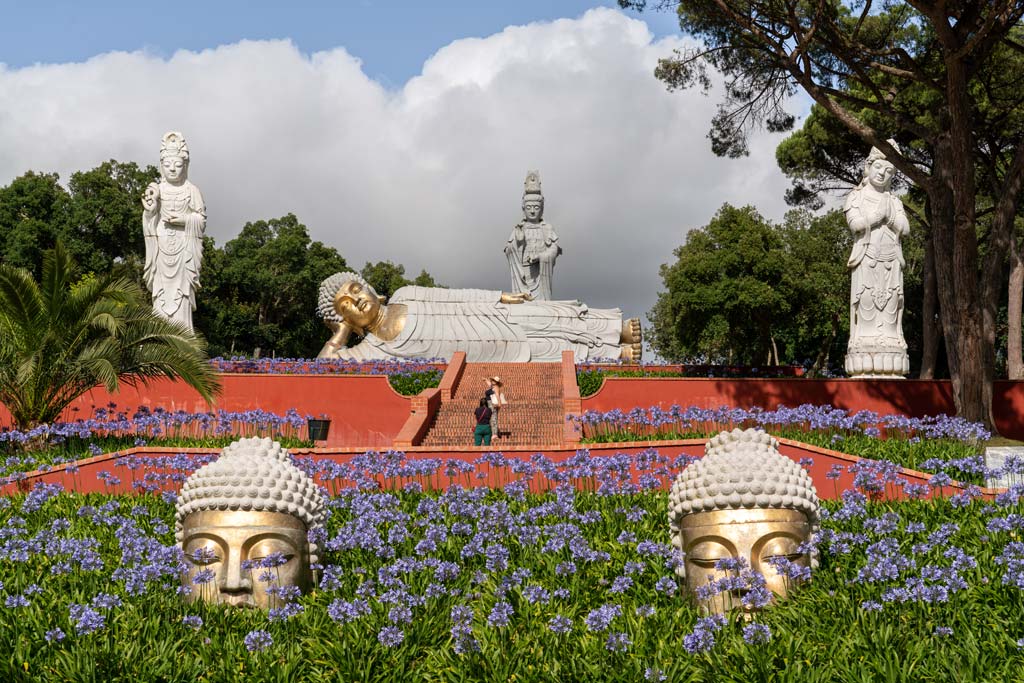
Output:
x=21 y=302
x=60 y=340
x=58 y=272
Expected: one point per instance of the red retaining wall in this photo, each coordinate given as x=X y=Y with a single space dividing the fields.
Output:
x=364 y=410
x=915 y=398
x=85 y=475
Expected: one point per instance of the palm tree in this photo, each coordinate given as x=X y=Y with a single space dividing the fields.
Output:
x=59 y=339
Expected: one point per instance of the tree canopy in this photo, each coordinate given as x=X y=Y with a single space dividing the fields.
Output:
x=744 y=290
x=259 y=292
x=725 y=291
x=96 y=217
x=941 y=78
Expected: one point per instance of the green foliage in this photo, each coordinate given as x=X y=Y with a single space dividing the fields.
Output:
x=260 y=290
x=821 y=633
x=386 y=278
x=591 y=380
x=106 y=214
x=746 y=291
x=821 y=157
x=730 y=273
x=33 y=214
x=59 y=340
x=819 y=323
x=98 y=217
x=412 y=383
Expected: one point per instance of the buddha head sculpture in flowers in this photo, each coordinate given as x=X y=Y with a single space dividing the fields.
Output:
x=244 y=522
x=743 y=512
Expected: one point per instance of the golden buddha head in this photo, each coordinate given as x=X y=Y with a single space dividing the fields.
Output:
x=348 y=298
x=244 y=523
x=745 y=517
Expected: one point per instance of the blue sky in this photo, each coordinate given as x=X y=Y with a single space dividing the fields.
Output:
x=393 y=39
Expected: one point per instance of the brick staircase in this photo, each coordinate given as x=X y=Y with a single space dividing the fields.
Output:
x=534 y=415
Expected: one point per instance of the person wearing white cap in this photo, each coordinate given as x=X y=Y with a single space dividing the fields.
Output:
x=495 y=399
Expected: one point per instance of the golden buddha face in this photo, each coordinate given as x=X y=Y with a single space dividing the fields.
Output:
x=174 y=169
x=754 y=536
x=880 y=173
x=357 y=304
x=224 y=549
x=533 y=209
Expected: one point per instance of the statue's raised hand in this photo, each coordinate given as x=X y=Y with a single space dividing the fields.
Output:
x=151 y=197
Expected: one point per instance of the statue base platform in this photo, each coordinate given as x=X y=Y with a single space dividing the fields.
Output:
x=875 y=360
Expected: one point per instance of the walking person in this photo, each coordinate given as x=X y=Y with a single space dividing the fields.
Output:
x=482 y=432
x=496 y=399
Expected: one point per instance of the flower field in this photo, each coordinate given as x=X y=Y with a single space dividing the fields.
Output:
x=324 y=366
x=110 y=430
x=499 y=584
x=932 y=444
x=407 y=377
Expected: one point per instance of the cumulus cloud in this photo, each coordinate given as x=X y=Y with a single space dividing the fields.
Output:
x=429 y=175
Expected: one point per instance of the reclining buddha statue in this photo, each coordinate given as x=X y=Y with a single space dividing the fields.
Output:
x=490 y=326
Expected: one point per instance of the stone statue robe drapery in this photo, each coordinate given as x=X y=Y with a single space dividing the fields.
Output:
x=539 y=241
x=174 y=253
x=440 y=322
x=876 y=269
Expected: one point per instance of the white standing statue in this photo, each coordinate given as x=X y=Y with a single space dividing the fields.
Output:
x=173 y=223
x=877 y=219
x=533 y=246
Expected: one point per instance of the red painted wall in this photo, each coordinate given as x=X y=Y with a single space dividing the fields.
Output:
x=364 y=409
x=914 y=398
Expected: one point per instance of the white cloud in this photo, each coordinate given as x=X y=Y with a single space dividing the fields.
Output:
x=430 y=175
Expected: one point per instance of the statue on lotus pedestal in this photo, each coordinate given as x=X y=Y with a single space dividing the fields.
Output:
x=532 y=248
x=745 y=517
x=490 y=326
x=877 y=219
x=244 y=522
x=173 y=224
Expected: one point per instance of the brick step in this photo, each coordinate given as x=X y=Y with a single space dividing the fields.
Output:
x=534 y=413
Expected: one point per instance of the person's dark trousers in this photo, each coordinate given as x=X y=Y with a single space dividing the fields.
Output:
x=482 y=435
